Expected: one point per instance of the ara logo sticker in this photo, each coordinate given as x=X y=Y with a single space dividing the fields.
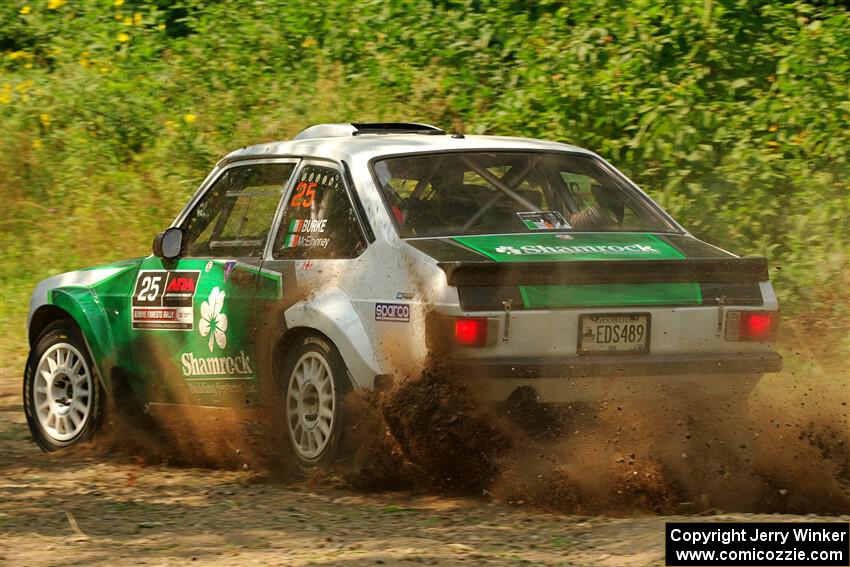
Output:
x=181 y=284
x=228 y=269
x=395 y=312
x=213 y=322
x=162 y=300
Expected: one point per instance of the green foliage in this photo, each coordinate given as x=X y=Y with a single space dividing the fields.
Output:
x=733 y=114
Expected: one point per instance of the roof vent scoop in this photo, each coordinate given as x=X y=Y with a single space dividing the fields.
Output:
x=359 y=128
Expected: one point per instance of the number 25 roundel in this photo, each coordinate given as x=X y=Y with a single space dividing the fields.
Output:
x=162 y=300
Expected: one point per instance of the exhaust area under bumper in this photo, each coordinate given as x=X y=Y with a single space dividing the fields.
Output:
x=592 y=379
x=619 y=365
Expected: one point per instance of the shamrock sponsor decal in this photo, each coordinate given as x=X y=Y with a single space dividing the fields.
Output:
x=213 y=322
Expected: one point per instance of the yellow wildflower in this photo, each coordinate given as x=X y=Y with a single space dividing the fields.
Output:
x=772 y=128
x=189 y=118
x=773 y=143
x=309 y=42
x=45 y=119
x=36 y=144
x=25 y=10
x=18 y=55
x=128 y=21
x=119 y=2
x=5 y=94
x=118 y=17
x=55 y=4
x=123 y=37
x=137 y=18
x=161 y=27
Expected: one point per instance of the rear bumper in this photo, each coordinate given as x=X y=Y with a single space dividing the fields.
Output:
x=623 y=365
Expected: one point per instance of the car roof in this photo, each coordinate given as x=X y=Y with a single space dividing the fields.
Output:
x=363 y=146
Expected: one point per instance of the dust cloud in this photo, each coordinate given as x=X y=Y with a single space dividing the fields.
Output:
x=616 y=457
x=788 y=452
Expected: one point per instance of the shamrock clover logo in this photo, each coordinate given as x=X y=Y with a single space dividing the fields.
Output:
x=213 y=322
x=510 y=250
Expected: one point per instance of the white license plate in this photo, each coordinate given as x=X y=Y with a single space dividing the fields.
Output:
x=613 y=333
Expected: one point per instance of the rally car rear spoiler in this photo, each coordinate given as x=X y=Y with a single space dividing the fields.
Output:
x=714 y=270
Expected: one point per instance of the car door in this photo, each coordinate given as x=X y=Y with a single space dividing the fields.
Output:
x=197 y=321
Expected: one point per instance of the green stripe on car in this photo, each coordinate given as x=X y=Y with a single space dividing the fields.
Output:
x=595 y=295
x=570 y=247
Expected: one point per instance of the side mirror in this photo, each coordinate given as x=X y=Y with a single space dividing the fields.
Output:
x=168 y=244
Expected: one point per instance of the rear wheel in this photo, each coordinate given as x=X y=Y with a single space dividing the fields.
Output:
x=63 y=400
x=315 y=381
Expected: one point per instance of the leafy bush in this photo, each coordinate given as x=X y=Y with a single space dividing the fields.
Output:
x=733 y=114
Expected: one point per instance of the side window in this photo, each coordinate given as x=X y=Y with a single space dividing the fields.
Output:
x=319 y=221
x=233 y=219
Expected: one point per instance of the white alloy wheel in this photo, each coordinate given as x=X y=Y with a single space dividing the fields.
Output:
x=62 y=392
x=310 y=405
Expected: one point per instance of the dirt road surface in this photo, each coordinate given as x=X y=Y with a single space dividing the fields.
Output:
x=96 y=509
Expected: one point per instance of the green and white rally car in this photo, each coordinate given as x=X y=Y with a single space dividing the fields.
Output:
x=356 y=253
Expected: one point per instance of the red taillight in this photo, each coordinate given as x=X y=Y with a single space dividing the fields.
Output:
x=752 y=325
x=471 y=332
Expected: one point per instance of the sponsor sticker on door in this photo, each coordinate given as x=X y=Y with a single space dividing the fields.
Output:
x=162 y=300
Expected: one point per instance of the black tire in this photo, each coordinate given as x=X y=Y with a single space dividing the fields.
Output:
x=60 y=380
x=314 y=435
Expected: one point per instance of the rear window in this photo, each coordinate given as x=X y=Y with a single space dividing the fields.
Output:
x=449 y=194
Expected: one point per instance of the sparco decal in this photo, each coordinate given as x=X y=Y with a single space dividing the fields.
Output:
x=239 y=365
x=637 y=249
x=163 y=299
x=398 y=312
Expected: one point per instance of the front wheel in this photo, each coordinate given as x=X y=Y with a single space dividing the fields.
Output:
x=63 y=400
x=315 y=380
